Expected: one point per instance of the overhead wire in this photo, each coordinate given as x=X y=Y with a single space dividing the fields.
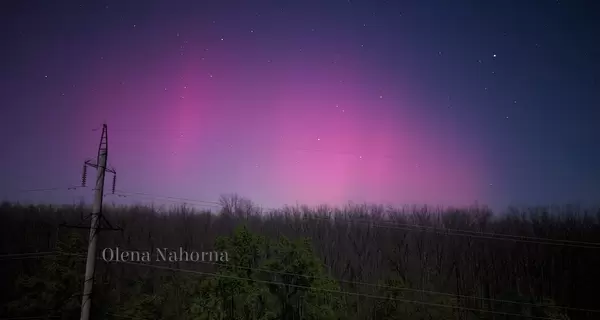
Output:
x=51 y=189
x=392 y=287
x=27 y=255
x=31 y=317
x=467 y=233
x=408 y=227
x=214 y=203
x=199 y=206
x=386 y=224
x=336 y=291
x=382 y=224
x=356 y=283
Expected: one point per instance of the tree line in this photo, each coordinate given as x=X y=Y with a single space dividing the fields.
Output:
x=354 y=262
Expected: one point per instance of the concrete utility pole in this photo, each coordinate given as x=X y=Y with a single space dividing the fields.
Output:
x=86 y=302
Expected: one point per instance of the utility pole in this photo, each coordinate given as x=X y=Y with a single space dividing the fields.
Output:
x=96 y=216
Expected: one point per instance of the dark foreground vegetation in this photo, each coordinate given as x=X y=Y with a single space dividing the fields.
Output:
x=359 y=262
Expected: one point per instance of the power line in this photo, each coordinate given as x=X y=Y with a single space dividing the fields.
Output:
x=336 y=291
x=31 y=255
x=409 y=227
x=34 y=317
x=389 y=225
x=469 y=233
x=167 y=197
x=36 y=255
x=415 y=227
x=57 y=253
x=494 y=234
x=124 y=316
x=391 y=287
x=51 y=189
x=199 y=206
x=10 y=255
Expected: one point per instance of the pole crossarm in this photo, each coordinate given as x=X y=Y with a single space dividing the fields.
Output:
x=94 y=165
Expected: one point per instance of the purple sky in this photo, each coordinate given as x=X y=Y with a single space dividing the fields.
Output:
x=312 y=102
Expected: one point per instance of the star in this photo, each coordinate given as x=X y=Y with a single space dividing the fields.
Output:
x=494 y=55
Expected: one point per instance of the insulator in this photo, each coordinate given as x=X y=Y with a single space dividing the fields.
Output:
x=114 y=183
x=84 y=175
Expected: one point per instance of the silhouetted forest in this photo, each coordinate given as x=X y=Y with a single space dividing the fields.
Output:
x=356 y=262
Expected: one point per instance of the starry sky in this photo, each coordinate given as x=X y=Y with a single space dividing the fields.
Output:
x=393 y=102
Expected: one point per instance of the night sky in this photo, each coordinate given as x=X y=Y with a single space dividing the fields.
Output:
x=310 y=102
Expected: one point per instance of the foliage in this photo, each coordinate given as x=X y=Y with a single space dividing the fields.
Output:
x=56 y=288
x=246 y=291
